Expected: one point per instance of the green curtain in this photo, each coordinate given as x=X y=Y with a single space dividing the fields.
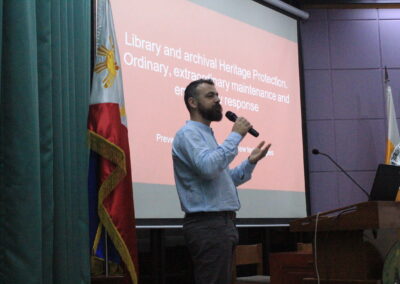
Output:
x=45 y=86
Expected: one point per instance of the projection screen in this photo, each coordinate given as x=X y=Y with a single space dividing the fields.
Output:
x=251 y=53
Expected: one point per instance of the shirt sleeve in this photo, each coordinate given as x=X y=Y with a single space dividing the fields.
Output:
x=242 y=172
x=208 y=162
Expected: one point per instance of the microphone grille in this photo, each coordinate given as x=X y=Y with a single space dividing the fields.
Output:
x=231 y=116
x=315 y=151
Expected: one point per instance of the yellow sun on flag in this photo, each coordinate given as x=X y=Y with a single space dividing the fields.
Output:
x=108 y=64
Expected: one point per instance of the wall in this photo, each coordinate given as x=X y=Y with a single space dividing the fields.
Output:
x=344 y=54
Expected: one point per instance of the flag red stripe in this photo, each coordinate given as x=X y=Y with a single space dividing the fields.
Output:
x=104 y=119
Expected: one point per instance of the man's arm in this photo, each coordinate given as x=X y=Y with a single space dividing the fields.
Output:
x=242 y=172
x=207 y=162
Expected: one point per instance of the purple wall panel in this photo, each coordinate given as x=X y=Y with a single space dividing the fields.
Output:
x=315 y=45
x=317 y=15
x=319 y=94
x=348 y=85
x=321 y=135
x=390 y=42
x=349 y=193
x=389 y=14
x=360 y=144
x=323 y=192
x=354 y=44
x=353 y=14
x=357 y=94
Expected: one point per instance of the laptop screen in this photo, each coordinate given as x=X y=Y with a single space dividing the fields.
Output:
x=386 y=183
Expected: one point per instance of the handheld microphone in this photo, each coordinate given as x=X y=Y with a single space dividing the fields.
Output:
x=232 y=117
x=317 y=152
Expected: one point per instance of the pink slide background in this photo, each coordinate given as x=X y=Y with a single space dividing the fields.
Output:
x=153 y=107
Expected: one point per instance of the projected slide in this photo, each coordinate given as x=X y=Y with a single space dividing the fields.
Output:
x=164 y=45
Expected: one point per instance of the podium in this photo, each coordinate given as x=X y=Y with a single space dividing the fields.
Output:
x=343 y=253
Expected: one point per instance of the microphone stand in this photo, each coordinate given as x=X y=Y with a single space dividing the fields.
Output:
x=343 y=171
x=317 y=152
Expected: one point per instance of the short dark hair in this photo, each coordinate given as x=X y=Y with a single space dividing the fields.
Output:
x=191 y=89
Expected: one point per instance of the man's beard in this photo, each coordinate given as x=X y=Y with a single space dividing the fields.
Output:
x=211 y=114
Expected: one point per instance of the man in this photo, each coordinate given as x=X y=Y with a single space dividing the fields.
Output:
x=206 y=187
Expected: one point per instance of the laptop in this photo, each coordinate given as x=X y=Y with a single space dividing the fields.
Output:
x=386 y=183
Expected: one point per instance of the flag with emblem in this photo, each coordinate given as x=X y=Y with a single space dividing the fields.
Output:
x=393 y=138
x=110 y=182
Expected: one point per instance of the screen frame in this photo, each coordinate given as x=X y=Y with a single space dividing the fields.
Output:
x=241 y=222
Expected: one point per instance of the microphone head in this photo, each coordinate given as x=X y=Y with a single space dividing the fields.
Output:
x=315 y=151
x=231 y=116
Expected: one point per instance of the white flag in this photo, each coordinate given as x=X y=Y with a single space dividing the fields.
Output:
x=393 y=139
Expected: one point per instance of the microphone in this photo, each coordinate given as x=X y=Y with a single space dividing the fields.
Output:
x=232 y=117
x=317 y=152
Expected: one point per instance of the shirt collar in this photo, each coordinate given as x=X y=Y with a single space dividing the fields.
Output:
x=199 y=125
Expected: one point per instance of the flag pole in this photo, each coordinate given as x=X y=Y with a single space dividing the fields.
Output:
x=386 y=75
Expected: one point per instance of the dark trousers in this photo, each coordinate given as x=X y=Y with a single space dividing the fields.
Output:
x=211 y=238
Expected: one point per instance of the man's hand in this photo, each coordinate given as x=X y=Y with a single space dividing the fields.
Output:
x=241 y=126
x=258 y=153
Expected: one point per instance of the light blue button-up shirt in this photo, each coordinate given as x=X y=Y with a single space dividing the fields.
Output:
x=203 y=180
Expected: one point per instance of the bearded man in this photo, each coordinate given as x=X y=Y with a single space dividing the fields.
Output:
x=206 y=186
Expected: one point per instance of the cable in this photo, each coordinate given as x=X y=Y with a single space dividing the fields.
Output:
x=315 y=248
x=343 y=212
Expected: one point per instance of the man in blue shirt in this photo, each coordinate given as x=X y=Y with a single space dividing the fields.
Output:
x=206 y=186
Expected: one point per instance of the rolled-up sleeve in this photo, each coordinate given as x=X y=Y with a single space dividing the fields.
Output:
x=242 y=172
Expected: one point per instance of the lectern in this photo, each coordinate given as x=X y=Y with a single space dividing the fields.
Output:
x=344 y=255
